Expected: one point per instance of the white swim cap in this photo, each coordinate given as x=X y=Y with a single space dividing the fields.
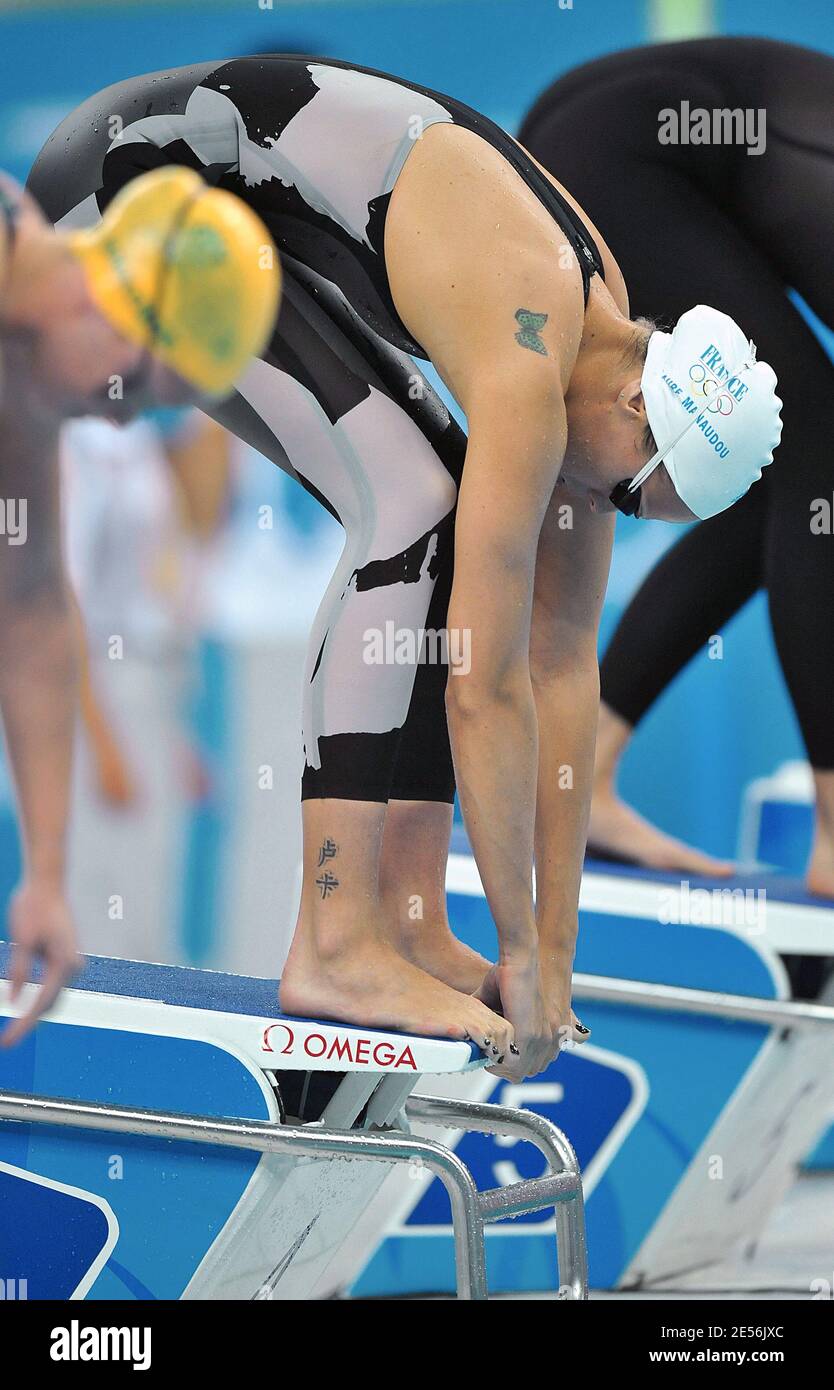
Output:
x=712 y=408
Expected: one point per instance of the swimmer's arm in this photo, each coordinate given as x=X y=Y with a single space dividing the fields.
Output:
x=478 y=276
x=38 y=642
x=572 y=565
x=516 y=443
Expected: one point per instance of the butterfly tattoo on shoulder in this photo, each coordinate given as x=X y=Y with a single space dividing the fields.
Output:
x=530 y=325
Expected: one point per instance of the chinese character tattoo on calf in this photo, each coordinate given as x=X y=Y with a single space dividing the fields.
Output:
x=327 y=882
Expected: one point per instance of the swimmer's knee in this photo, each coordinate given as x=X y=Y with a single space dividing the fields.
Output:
x=432 y=494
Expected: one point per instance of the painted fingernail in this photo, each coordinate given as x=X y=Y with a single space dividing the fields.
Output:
x=487 y=1042
x=514 y=1050
x=500 y=1059
x=580 y=1027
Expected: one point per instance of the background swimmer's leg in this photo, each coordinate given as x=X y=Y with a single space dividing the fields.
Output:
x=790 y=200
x=692 y=592
x=631 y=187
x=799 y=578
x=784 y=198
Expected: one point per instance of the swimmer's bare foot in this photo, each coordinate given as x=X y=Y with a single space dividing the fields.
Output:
x=437 y=950
x=616 y=829
x=373 y=986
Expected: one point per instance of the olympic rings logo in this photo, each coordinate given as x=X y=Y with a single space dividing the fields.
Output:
x=707 y=386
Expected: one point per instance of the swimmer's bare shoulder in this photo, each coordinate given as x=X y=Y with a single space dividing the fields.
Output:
x=470 y=255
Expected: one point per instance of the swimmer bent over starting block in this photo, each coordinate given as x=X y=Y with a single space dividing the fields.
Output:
x=409 y=225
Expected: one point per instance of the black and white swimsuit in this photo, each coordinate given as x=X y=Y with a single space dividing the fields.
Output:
x=315 y=147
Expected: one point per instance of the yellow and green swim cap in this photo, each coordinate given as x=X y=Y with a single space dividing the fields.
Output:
x=186 y=271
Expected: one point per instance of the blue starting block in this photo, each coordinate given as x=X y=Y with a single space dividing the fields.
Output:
x=168 y=1134
x=777 y=827
x=699 y=1094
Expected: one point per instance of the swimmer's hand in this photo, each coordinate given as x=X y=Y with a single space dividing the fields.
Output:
x=557 y=978
x=514 y=988
x=41 y=927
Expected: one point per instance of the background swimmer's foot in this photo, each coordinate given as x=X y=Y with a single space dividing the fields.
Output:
x=820 y=875
x=371 y=985
x=621 y=834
